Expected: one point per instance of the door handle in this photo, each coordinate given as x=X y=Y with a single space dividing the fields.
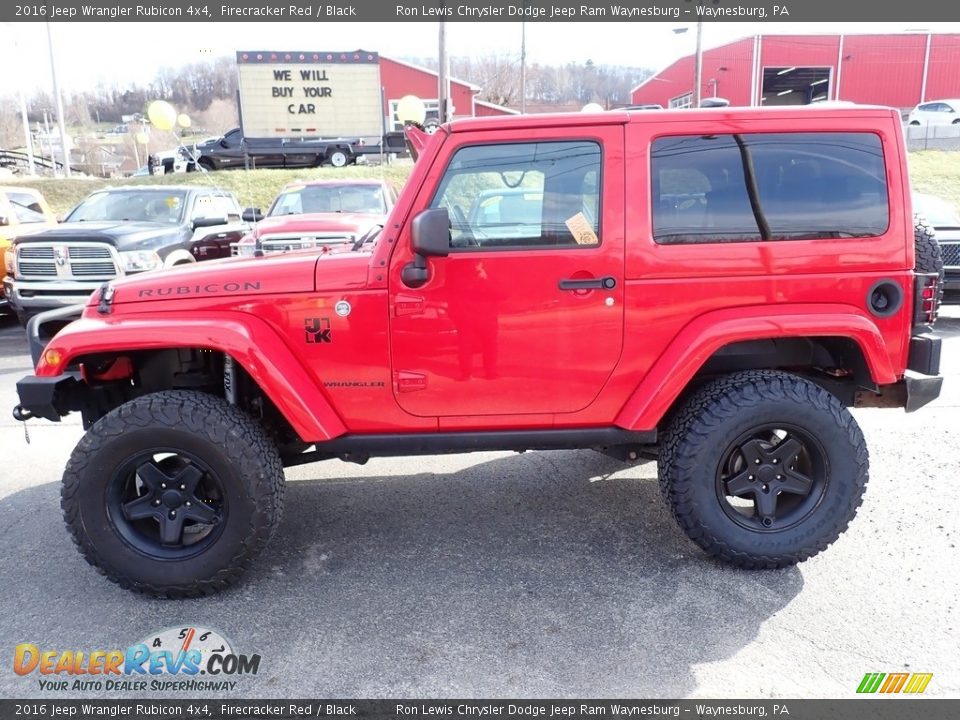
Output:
x=604 y=283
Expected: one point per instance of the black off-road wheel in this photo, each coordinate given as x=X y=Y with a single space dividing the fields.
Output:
x=173 y=494
x=928 y=256
x=763 y=469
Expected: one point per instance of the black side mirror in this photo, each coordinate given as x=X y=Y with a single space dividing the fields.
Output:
x=202 y=222
x=224 y=143
x=431 y=233
x=431 y=238
x=251 y=214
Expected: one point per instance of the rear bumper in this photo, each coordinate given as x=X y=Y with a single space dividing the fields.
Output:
x=922 y=381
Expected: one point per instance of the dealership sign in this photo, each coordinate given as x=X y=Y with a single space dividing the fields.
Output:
x=310 y=94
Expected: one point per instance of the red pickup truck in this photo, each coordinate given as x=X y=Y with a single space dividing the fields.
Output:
x=712 y=289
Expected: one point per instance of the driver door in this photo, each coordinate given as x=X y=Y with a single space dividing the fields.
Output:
x=525 y=314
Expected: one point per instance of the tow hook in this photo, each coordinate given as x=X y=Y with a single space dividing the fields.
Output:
x=21 y=414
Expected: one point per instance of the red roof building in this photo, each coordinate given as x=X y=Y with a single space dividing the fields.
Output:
x=893 y=70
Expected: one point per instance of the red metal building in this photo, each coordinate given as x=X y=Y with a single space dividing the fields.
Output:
x=400 y=78
x=894 y=70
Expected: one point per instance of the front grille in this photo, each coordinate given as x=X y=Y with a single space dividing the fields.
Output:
x=951 y=254
x=66 y=261
x=280 y=244
x=35 y=252
x=37 y=269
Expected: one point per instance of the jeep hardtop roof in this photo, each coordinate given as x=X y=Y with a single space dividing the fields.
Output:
x=621 y=117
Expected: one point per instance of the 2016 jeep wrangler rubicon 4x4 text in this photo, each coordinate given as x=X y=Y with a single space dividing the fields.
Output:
x=710 y=288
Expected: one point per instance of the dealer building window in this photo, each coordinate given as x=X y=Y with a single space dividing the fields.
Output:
x=519 y=195
x=771 y=186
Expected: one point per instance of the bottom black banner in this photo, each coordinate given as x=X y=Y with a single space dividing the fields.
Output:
x=853 y=709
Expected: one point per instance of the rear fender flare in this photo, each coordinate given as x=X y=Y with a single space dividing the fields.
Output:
x=701 y=338
x=248 y=340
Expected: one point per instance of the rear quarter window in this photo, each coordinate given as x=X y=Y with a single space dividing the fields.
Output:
x=766 y=187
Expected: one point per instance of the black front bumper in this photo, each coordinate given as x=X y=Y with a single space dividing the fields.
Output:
x=49 y=398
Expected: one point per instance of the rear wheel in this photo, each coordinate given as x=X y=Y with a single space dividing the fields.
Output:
x=338 y=158
x=173 y=493
x=763 y=469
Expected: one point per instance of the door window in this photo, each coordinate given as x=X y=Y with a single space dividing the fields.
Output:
x=523 y=195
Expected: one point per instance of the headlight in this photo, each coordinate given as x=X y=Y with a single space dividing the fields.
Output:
x=10 y=261
x=140 y=261
x=246 y=246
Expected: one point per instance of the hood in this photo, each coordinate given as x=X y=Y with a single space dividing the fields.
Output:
x=346 y=223
x=232 y=277
x=122 y=235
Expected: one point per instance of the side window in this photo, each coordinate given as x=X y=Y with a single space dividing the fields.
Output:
x=776 y=186
x=523 y=195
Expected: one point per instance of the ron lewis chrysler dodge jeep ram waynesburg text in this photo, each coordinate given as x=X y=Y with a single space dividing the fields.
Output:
x=711 y=288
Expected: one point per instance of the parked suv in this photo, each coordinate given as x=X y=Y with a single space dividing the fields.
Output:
x=713 y=289
x=118 y=232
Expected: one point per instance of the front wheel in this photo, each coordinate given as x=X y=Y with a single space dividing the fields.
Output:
x=763 y=469
x=173 y=493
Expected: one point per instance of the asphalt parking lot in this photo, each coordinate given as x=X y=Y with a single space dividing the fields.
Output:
x=551 y=574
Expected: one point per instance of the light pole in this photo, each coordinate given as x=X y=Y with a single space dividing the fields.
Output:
x=523 y=68
x=698 y=65
x=56 y=93
x=443 y=76
x=27 y=137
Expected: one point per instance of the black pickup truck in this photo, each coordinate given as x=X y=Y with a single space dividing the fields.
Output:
x=117 y=232
x=233 y=150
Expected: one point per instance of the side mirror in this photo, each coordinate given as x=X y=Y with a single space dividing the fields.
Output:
x=4 y=221
x=60 y=217
x=223 y=143
x=431 y=233
x=251 y=214
x=202 y=222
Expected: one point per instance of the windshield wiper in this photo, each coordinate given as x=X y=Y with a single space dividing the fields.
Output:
x=366 y=237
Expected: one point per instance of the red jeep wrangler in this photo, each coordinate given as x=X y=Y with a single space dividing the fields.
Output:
x=709 y=288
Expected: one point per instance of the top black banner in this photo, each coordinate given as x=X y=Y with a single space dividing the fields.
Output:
x=916 y=11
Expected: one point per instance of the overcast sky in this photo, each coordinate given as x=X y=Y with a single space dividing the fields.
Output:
x=118 y=53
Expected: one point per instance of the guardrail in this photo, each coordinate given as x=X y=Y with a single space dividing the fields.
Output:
x=932 y=137
x=20 y=162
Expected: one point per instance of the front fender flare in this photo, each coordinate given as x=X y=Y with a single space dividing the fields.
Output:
x=702 y=337
x=247 y=339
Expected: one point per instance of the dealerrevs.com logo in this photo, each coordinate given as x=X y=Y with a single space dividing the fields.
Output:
x=181 y=659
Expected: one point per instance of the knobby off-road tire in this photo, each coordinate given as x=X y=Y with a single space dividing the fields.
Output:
x=173 y=494
x=747 y=439
x=927 y=252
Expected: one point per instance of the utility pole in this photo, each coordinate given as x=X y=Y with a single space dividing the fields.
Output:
x=56 y=94
x=27 y=137
x=443 y=76
x=698 y=65
x=523 y=68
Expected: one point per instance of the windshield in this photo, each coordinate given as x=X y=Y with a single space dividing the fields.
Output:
x=26 y=207
x=131 y=205
x=353 y=198
x=938 y=213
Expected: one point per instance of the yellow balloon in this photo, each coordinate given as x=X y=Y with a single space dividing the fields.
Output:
x=183 y=120
x=410 y=108
x=162 y=115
